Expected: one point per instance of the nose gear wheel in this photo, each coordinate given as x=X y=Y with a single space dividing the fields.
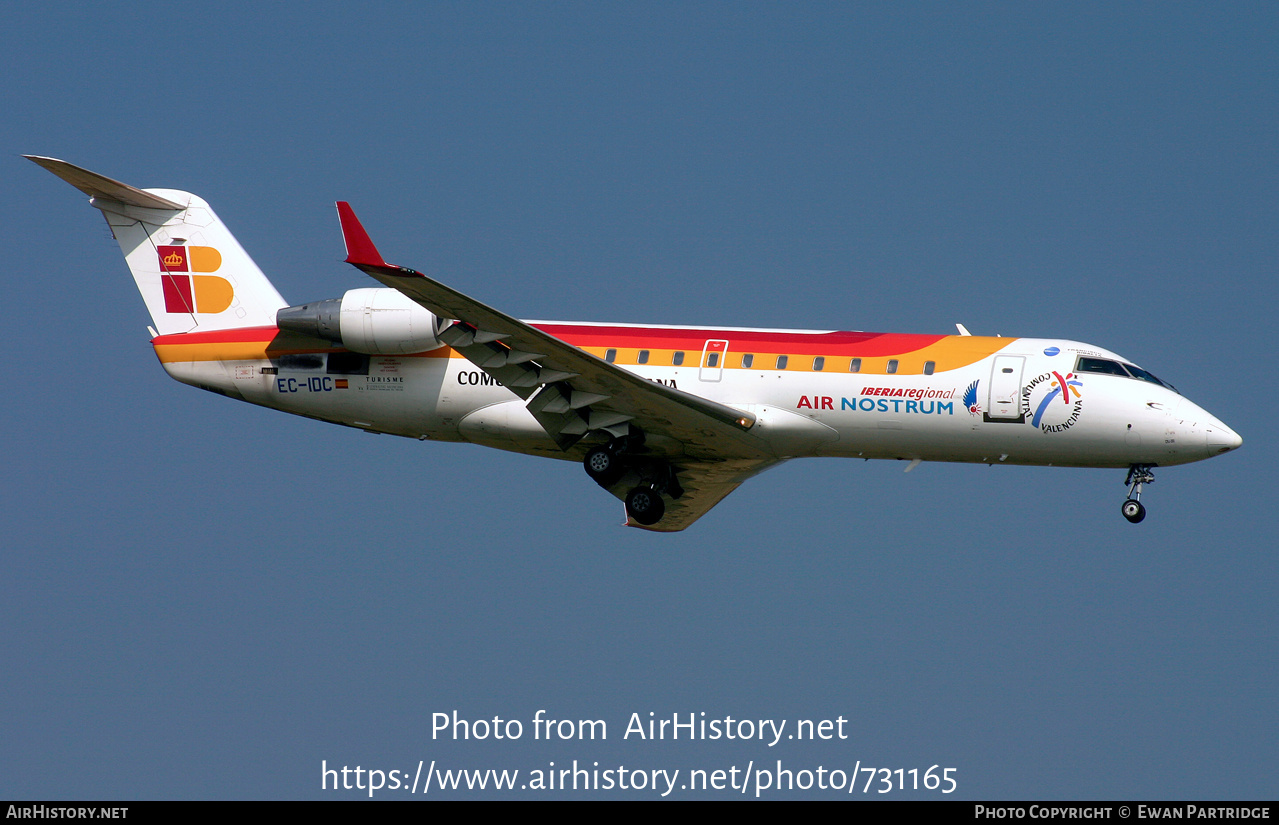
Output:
x=1138 y=476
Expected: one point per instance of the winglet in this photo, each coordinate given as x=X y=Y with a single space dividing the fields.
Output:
x=360 y=250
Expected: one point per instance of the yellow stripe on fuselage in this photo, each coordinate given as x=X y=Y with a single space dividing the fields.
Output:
x=948 y=353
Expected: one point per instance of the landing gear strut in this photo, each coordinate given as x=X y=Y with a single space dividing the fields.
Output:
x=1138 y=475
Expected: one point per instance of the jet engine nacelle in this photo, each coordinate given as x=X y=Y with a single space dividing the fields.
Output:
x=372 y=320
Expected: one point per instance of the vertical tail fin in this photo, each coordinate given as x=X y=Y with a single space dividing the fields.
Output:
x=191 y=271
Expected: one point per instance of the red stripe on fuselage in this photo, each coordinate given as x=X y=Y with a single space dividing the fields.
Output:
x=866 y=344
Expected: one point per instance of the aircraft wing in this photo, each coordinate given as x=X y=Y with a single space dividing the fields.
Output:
x=570 y=392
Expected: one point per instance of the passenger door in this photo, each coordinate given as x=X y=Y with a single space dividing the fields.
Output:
x=712 y=364
x=1004 y=400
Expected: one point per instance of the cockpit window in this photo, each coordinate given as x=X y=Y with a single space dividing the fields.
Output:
x=1100 y=365
x=1138 y=372
x=1104 y=366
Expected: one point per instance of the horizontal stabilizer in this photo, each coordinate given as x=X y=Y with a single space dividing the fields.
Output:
x=100 y=186
x=191 y=271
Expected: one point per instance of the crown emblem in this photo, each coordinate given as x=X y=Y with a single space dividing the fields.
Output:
x=173 y=259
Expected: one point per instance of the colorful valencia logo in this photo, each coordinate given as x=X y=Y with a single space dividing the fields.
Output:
x=1039 y=395
x=188 y=293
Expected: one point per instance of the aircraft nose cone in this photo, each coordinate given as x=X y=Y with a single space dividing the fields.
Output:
x=1221 y=439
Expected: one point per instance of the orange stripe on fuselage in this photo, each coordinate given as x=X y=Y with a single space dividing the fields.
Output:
x=946 y=351
x=244 y=344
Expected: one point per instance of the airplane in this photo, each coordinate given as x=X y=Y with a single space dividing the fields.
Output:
x=669 y=419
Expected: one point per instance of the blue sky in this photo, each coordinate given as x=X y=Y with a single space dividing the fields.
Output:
x=204 y=599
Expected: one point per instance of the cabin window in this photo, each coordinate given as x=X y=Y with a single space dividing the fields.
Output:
x=781 y=361
x=855 y=365
x=818 y=363
x=892 y=366
x=677 y=358
x=929 y=366
x=747 y=360
x=610 y=355
x=643 y=357
x=712 y=359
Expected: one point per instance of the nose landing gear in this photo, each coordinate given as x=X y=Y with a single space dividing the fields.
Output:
x=1138 y=475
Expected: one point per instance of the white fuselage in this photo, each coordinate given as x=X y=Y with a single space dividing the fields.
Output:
x=1014 y=411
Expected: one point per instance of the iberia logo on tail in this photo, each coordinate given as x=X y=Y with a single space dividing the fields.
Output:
x=187 y=293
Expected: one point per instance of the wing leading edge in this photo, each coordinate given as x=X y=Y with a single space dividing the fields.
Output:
x=572 y=392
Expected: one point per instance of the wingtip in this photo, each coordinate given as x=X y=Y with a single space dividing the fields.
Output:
x=359 y=247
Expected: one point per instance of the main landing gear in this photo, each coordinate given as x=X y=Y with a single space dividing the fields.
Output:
x=1138 y=475
x=645 y=505
x=610 y=463
x=604 y=465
